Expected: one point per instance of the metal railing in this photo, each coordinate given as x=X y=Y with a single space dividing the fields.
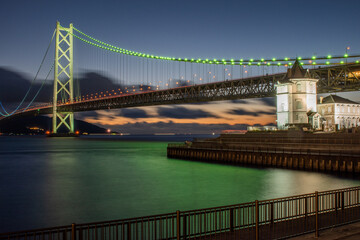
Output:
x=267 y=219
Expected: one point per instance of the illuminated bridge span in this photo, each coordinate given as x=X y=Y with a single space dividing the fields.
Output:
x=144 y=79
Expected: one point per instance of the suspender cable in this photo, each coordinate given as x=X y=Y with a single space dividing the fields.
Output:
x=32 y=82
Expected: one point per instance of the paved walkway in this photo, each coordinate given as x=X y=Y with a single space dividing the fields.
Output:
x=346 y=232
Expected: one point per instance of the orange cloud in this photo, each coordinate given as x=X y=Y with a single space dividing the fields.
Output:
x=220 y=113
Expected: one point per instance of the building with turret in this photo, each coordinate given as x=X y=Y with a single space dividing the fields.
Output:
x=296 y=97
x=297 y=106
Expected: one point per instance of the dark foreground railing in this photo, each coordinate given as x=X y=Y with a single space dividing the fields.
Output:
x=268 y=219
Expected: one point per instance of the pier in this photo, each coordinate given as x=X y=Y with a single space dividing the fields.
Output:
x=325 y=152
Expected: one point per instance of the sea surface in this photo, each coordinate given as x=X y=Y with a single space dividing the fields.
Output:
x=58 y=181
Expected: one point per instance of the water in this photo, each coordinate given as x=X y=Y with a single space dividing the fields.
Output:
x=57 y=181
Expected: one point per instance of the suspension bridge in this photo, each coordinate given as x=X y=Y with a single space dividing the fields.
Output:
x=145 y=79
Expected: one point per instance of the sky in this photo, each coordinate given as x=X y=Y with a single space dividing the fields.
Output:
x=199 y=29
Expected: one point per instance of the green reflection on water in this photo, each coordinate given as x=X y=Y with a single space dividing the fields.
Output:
x=74 y=180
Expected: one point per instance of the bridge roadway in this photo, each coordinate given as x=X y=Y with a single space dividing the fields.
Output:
x=340 y=78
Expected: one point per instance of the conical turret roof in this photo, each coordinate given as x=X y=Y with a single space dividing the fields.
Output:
x=297 y=71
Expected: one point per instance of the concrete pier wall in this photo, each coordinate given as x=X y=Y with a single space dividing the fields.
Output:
x=321 y=160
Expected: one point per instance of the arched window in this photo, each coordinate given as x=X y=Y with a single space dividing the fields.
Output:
x=298 y=104
x=298 y=87
x=282 y=107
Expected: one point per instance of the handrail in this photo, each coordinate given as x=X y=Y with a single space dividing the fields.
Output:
x=218 y=220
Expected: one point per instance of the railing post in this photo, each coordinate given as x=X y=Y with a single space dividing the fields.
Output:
x=73 y=231
x=184 y=227
x=177 y=225
x=316 y=214
x=129 y=231
x=272 y=214
x=231 y=219
x=80 y=233
x=336 y=202
x=342 y=201
x=306 y=208
x=256 y=219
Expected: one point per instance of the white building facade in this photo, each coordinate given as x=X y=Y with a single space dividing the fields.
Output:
x=339 y=113
x=296 y=97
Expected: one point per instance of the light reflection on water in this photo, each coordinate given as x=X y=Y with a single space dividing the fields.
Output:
x=57 y=181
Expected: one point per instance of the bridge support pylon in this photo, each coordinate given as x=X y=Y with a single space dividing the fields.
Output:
x=63 y=78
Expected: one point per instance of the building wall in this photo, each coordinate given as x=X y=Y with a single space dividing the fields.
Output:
x=294 y=100
x=340 y=115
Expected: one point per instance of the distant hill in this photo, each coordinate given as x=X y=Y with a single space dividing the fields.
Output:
x=41 y=124
x=14 y=85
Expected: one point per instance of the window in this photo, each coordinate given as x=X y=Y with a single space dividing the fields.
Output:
x=329 y=109
x=282 y=107
x=312 y=87
x=298 y=104
x=298 y=87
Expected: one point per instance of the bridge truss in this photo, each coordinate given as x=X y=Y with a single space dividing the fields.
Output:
x=331 y=79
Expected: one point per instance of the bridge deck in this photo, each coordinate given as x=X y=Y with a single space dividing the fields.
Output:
x=331 y=79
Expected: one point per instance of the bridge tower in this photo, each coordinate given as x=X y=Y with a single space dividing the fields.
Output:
x=63 y=78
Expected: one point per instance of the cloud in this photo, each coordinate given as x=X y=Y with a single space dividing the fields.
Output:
x=182 y=128
x=248 y=113
x=92 y=114
x=240 y=101
x=133 y=113
x=183 y=113
x=270 y=101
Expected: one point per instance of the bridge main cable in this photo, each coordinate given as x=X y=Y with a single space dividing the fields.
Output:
x=254 y=62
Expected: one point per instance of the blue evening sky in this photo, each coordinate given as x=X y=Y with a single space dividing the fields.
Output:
x=205 y=29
